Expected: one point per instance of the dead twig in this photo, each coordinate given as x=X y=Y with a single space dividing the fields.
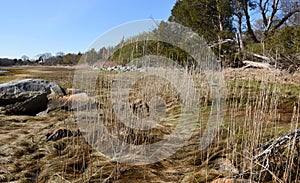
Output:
x=270 y=150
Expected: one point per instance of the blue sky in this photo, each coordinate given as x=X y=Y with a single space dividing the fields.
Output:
x=32 y=27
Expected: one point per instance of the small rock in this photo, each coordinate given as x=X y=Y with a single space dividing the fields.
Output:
x=224 y=166
x=59 y=134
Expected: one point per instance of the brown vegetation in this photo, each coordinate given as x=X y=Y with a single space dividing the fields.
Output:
x=261 y=107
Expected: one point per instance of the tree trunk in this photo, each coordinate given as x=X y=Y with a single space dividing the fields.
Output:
x=241 y=44
x=248 y=21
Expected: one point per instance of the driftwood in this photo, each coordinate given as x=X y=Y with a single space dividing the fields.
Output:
x=271 y=150
x=282 y=62
x=262 y=57
x=269 y=60
x=272 y=146
x=256 y=64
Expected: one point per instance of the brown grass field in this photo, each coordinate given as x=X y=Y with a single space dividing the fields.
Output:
x=262 y=105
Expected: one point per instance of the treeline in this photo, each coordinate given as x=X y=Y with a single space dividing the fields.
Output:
x=60 y=58
x=44 y=59
x=10 y=62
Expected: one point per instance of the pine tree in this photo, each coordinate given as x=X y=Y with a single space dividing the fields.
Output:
x=210 y=18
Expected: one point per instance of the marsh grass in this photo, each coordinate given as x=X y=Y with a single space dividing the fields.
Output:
x=258 y=112
x=61 y=75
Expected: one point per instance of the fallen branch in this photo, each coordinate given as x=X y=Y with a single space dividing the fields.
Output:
x=264 y=58
x=272 y=146
x=256 y=64
x=270 y=150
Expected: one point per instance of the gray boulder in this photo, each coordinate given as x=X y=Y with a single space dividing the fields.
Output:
x=27 y=97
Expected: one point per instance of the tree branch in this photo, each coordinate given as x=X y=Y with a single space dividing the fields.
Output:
x=263 y=9
x=274 y=11
x=256 y=64
x=220 y=43
x=285 y=18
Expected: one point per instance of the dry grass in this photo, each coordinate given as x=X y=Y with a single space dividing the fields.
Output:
x=257 y=112
x=61 y=75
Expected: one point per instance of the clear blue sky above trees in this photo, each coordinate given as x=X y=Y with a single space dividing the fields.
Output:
x=33 y=27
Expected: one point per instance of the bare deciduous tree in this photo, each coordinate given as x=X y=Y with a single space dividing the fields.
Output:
x=274 y=14
x=25 y=58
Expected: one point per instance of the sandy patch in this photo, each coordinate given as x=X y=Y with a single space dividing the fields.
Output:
x=23 y=75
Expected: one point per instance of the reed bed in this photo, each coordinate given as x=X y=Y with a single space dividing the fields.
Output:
x=258 y=114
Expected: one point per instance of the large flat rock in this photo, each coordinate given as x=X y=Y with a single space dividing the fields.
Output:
x=27 y=97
